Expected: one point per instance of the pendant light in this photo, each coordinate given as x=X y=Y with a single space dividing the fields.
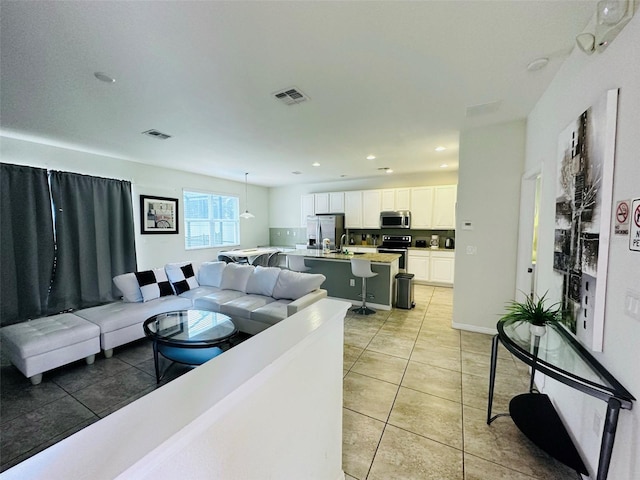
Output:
x=246 y=213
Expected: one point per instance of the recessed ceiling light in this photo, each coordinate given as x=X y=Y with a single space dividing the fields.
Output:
x=440 y=149
x=444 y=165
x=103 y=77
x=538 y=64
x=315 y=164
x=371 y=157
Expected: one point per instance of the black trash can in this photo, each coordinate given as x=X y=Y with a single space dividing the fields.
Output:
x=404 y=291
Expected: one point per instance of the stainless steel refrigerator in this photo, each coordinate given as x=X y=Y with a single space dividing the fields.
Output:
x=320 y=227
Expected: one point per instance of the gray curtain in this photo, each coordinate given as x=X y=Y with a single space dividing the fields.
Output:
x=94 y=237
x=26 y=243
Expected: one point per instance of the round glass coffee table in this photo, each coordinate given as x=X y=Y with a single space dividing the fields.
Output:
x=191 y=337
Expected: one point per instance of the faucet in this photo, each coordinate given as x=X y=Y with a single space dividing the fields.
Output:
x=343 y=240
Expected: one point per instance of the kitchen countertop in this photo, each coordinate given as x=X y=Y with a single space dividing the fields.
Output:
x=374 y=256
x=429 y=249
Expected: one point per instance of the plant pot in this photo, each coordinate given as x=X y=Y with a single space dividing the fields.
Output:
x=538 y=330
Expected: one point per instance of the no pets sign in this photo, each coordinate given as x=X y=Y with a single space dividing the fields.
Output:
x=634 y=226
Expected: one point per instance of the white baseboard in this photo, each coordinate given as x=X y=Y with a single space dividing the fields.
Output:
x=474 y=328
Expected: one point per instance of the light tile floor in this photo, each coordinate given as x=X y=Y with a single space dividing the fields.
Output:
x=415 y=395
x=415 y=399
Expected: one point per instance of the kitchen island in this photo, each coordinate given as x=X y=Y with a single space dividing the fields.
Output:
x=342 y=284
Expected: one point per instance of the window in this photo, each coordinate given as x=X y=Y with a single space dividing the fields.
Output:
x=210 y=220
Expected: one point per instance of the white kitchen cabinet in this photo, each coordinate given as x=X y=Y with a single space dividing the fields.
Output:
x=418 y=264
x=441 y=267
x=307 y=207
x=353 y=209
x=444 y=207
x=421 y=207
x=321 y=203
x=403 y=199
x=371 y=204
x=396 y=199
x=336 y=202
x=388 y=200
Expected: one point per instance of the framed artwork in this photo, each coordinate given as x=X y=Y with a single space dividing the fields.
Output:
x=584 y=192
x=158 y=215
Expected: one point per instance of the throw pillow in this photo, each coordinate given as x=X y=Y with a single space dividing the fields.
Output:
x=263 y=280
x=181 y=277
x=153 y=284
x=293 y=285
x=235 y=277
x=210 y=273
x=127 y=283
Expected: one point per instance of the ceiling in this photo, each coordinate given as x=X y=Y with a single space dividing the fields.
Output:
x=390 y=79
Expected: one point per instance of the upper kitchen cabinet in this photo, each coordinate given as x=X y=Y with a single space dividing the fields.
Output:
x=371 y=205
x=353 y=209
x=336 y=202
x=321 y=202
x=307 y=207
x=396 y=199
x=444 y=207
x=421 y=207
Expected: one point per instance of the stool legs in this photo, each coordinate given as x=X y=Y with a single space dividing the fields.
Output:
x=363 y=309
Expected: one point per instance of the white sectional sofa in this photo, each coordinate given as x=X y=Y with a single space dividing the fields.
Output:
x=254 y=297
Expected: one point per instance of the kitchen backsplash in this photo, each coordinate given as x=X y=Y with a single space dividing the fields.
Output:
x=289 y=237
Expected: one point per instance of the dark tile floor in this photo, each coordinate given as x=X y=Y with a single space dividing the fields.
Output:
x=72 y=397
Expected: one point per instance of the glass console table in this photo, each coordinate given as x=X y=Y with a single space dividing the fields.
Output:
x=558 y=355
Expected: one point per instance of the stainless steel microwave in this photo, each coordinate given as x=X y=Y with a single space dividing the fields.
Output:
x=396 y=219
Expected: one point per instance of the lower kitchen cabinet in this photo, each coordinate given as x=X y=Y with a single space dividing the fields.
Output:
x=442 y=267
x=418 y=264
x=431 y=266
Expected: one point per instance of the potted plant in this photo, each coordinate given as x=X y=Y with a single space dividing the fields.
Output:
x=534 y=312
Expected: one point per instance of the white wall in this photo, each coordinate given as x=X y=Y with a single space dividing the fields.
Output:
x=491 y=164
x=152 y=250
x=285 y=201
x=270 y=407
x=579 y=83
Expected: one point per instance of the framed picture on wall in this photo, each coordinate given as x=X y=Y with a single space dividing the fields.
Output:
x=158 y=215
x=584 y=189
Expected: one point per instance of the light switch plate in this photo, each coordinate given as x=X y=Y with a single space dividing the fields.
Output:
x=632 y=304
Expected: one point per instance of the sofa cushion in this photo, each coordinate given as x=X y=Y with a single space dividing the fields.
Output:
x=153 y=284
x=210 y=273
x=271 y=313
x=201 y=291
x=263 y=280
x=293 y=285
x=235 y=277
x=127 y=284
x=47 y=334
x=244 y=305
x=117 y=315
x=181 y=276
x=213 y=301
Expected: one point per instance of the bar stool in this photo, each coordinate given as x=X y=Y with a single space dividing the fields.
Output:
x=362 y=268
x=296 y=263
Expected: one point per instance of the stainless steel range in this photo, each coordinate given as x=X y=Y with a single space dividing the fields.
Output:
x=396 y=244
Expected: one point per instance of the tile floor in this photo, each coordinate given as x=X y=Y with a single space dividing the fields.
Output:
x=414 y=400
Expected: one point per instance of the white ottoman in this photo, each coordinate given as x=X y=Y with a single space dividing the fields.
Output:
x=36 y=346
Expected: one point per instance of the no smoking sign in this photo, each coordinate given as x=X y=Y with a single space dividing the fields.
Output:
x=634 y=224
x=622 y=218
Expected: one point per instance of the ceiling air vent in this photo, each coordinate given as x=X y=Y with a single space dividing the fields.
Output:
x=156 y=134
x=291 y=96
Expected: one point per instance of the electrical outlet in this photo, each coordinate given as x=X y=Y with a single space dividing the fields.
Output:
x=352 y=282
x=632 y=304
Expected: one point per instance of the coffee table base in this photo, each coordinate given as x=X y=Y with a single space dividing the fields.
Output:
x=186 y=356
